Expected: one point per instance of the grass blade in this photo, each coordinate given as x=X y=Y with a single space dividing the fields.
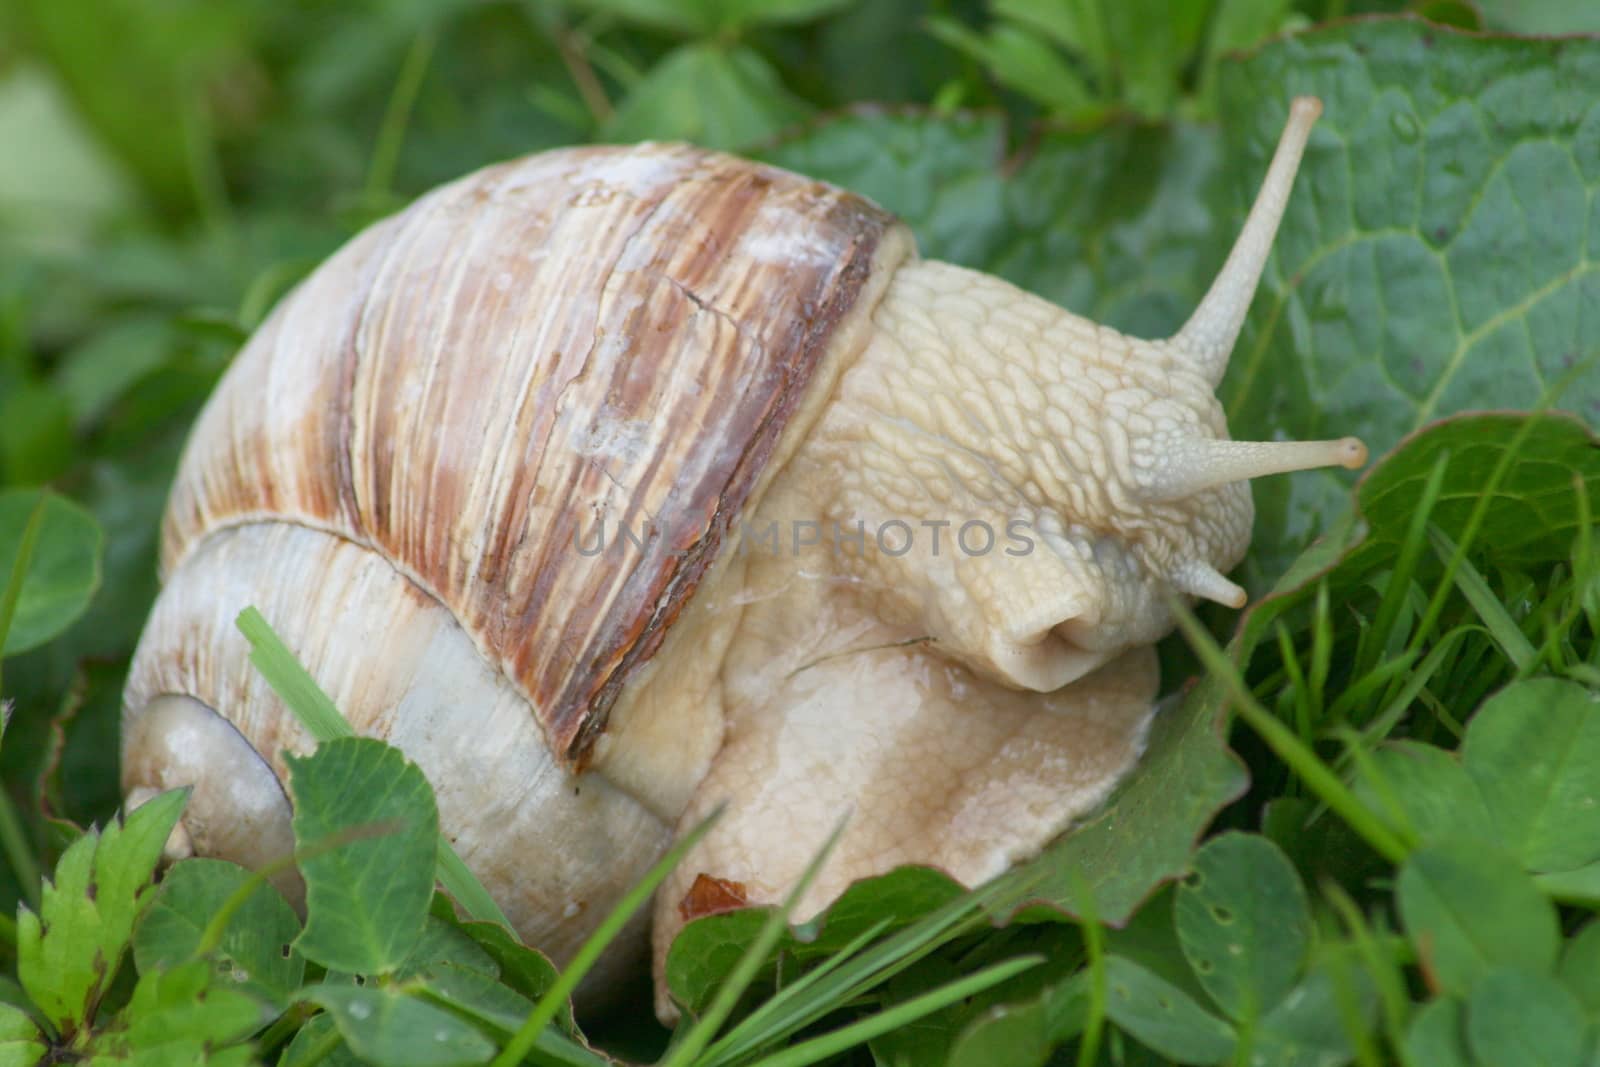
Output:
x=1502 y=627
x=786 y=1011
x=1285 y=745
x=317 y=713
x=700 y=1035
x=544 y=1012
x=831 y=1044
x=290 y=680
x=795 y=1008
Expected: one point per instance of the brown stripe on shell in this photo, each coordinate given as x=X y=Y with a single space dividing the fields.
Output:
x=587 y=335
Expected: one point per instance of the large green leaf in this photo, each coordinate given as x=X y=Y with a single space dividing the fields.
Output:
x=1436 y=255
x=1433 y=258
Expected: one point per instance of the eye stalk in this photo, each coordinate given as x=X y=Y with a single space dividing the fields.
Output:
x=1208 y=337
x=1191 y=466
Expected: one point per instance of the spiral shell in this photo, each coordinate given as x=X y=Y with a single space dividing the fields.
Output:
x=405 y=457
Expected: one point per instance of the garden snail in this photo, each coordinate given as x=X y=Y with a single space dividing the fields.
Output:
x=433 y=469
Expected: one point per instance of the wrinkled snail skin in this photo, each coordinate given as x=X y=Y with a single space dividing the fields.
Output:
x=422 y=466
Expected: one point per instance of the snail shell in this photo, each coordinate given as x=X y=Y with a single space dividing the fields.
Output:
x=402 y=466
x=399 y=468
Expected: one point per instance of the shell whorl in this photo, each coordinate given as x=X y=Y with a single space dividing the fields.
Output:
x=617 y=334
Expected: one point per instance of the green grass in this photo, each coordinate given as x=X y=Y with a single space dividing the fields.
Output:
x=1412 y=698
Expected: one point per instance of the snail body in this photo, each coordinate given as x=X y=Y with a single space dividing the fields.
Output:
x=494 y=473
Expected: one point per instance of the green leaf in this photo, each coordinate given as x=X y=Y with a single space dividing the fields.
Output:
x=707 y=948
x=316 y=712
x=63 y=571
x=367 y=895
x=735 y=14
x=682 y=16
x=1526 y=1018
x=1430 y=787
x=389 y=1027
x=720 y=97
x=66 y=184
x=1244 y=923
x=1434 y=256
x=476 y=994
x=68 y=953
x=1020 y=61
x=21 y=1043
x=136 y=75
x=1438 y=1035
x=521 y=968
x=255 y=954
x=306 y=1050
x=1147 y=832
x=443 y=942
x=1161 y=1016
x=96 y=373
x=35 y=434
x=1540 y=16
x=1150 y=42
x=1581 y=885
x=1312 y=1025
x=1468 y=909
x=180 y=1016
x=1024 y=1032
x=1119 y=226
x=1533 y=516
x=1534 y=751
x=1580 y=967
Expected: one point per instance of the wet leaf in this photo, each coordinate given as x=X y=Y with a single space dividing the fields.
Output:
x=255 y=954
x=367 y=816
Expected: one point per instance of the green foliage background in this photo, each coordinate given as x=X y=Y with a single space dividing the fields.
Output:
x=1386 y=886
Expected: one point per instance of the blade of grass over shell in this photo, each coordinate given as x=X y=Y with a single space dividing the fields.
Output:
x=317 y=713
x=1298 y=755
x=831 y=1044
x=700 y=1035
x=1502 y=627
x=545 y=1011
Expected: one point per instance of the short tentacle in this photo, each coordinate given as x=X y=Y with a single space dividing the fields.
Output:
x=1197 y=464
x=1198 y=578
x=1208 y=337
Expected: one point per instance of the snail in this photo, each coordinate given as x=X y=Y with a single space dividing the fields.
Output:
x=614 y=484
